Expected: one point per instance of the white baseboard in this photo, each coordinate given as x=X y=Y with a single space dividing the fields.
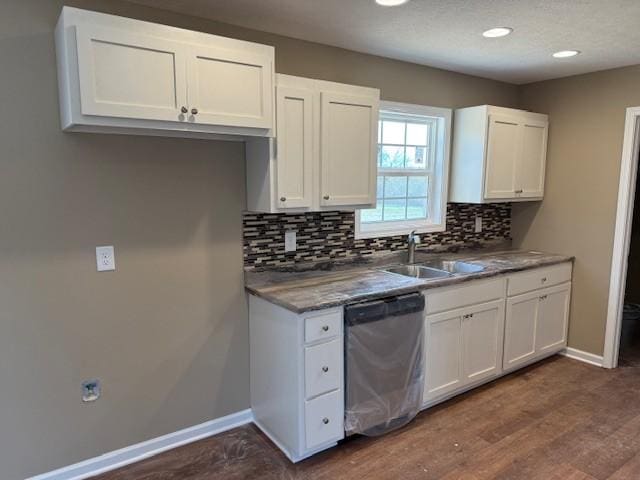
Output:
x=583 y=356
x=135 y=453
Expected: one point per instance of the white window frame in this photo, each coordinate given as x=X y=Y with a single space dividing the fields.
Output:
x=437 y=199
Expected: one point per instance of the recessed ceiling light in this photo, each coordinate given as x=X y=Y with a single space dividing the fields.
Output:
x=566 y=53
x=391 y=3
x=497 y=32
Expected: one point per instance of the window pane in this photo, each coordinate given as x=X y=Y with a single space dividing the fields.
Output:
x=417 y=208
x=372 y=214
x=379 y=131
x=417 y=187
x=395 y=209
x=393 y=132
x=379 y=187
x=395 y=187
x=392 y=157
x=416 y=157
x=417 y=134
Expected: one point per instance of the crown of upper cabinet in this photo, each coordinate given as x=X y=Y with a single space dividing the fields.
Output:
x=118 y=75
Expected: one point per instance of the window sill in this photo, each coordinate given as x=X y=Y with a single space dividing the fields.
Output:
x=404 y=228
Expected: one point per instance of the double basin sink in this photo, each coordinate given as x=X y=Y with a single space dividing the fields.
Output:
x=436 y=269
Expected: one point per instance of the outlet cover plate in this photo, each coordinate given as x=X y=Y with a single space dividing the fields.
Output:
x=105 y=258
x=290 y=244
x=478 y=226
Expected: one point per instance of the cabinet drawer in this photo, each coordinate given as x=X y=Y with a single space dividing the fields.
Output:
x=322 y=368
x=323 y=419
x=539 y=278
x=322 y=326
x=458 y=296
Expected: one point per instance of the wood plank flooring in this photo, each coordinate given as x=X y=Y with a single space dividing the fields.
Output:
x=558 y=420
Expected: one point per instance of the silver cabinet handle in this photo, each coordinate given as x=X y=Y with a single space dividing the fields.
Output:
x=325 y=420
x=184 y=110
x=194 y=111
x=326 y=197
x=325 y=328
x=325 y=369
x=519 y=191
x=543 y=297
x=468 y=315
x=283 y=199
x=543 y=279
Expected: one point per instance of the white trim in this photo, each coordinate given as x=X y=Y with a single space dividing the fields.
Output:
x=440 y=170
x=622 y=237
x=583 y=356
x=139 y=451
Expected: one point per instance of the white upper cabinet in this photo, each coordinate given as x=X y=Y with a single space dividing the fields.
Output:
x=118 y=75
x=324 y=155
x=348 y=145
x=499 y=154
x=230 y=89
x=294 y=169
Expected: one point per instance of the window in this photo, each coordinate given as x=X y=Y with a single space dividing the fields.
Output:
x=413 y=162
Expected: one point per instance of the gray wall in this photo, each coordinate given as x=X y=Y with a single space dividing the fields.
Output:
x=167 y=332
x=577 y=215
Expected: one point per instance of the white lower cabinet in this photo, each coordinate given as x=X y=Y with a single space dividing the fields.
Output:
x=536 y=324
x=297 y=377
x=479 y=330
x=463 y=346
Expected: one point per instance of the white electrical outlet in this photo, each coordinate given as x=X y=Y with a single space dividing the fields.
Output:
x=478 y=224
x=105 y=258
x=290 y=244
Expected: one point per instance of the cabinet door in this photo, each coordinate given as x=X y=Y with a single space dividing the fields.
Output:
x=444 y=354
x=294 y=119
x=130 y=76
x=229 y=87
x=531 y=162
x=520 y=329
x=553 y=315
x=503 y=150
x=482 y=340
x=348 y=146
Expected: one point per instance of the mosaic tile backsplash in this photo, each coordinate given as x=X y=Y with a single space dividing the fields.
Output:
x=331 y=235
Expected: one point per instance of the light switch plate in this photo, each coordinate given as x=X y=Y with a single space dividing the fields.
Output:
x=290 y=244
x=105 y=258
x=478 y=228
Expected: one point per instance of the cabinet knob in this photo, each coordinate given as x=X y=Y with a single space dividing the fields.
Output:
x=519 y=191
x=283 y=199
x=325 y=420
x=325 y=328
x=194 y=111
x=543 y=297
x=543 y=279
x=184 y=110
x=326 y=197
x=325 y=369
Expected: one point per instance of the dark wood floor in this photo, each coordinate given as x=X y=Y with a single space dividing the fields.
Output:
x=557 y=420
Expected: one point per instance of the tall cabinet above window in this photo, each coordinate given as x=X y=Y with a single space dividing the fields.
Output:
x=499 y=155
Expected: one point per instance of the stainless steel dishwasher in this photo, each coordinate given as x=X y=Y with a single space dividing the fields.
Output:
x=384 y=363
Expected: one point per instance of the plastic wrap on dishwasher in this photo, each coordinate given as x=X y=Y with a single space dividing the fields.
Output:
x=384 y=349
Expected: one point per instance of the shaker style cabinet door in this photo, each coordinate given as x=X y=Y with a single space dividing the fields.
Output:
x=348 y=148
x=520 y=329
x=294 y=157
x=531 y=162
x=482 y=340
x=229 y=87
x=553 y=316
x=125 y=75
x=503 y=150
x=444 y=354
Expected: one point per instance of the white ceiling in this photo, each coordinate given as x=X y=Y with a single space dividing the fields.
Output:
x=447 y=33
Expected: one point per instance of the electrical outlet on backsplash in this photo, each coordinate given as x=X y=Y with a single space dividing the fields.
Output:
x=331 y=235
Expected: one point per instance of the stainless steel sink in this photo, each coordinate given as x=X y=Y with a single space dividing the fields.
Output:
x=453 y=266
x=418 y=271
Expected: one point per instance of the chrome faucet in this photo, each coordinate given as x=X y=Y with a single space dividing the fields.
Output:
x=412 y=241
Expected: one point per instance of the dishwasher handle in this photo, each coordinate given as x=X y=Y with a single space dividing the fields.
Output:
x=379 y=309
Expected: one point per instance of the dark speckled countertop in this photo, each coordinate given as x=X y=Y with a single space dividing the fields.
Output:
x=317 y=286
